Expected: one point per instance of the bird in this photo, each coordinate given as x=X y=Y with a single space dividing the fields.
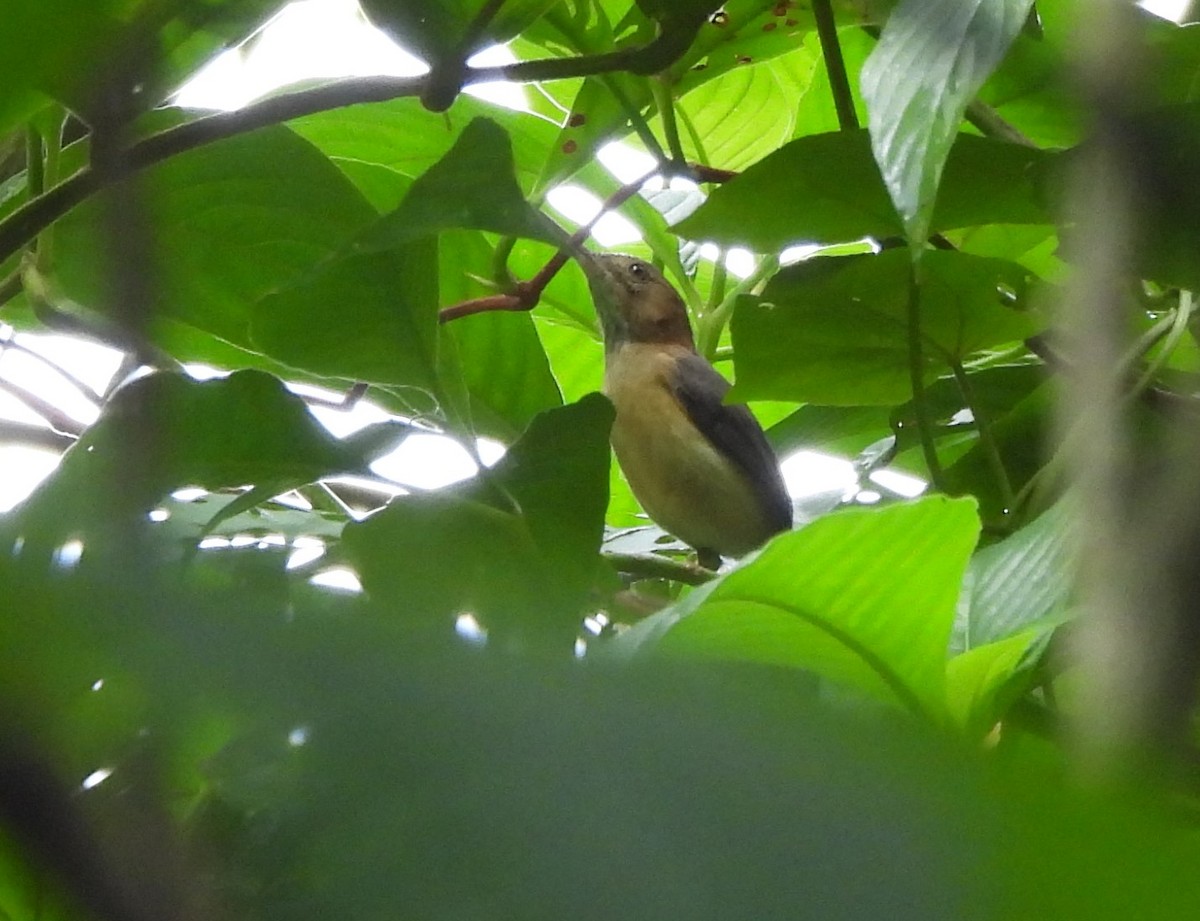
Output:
x=702 y=469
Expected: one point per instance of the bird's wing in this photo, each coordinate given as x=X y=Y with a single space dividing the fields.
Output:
x=734 y=432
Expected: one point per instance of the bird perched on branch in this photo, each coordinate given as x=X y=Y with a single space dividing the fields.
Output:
x=703 y=470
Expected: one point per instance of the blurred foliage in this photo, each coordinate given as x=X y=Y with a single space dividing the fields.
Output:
x=865 y=719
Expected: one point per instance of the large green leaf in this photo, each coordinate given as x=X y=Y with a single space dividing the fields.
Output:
x=863 y=597
x=1027 y=89
x=518 y=547
x=369 y=317
x=827 y=189
x=473 y=186
x=819 y=189
x=931 y=59
x=383 y=146
x=834 y=330
x=228 y=226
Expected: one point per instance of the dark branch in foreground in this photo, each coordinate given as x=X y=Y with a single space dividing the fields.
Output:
x=26 y=222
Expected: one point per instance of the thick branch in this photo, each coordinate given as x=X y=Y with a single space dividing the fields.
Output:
x=39 y=213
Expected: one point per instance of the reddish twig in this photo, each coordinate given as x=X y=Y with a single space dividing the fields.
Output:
x=526 y=294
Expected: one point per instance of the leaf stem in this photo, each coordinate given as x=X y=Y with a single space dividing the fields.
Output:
x=637 y=121
x=716 y=293
x=990 y=124
x=987 y=438
x=1178 y=327
x=666 y=108
x=10 y=286
x=916 y=369
x=713 y=323
x=835 y=65
x=35 y=176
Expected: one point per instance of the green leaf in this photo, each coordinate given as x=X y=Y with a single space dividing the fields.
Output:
x=931 y=59
x=518 y=547
x=816 y=112
x=473 y=186
x=558 y=475
x=819 y=189
x=383 y=146
x=862 y=597
x=1023 y=433
x=983 y=682
x=228 y=226
x=501 y=359
x=746 y=113
x=369 y=317
x=1015 y=583
x=826 y=189
x=110 y=60
x=834 y=330
x=438 y=29
x=167 y=431
x=834 y=429
x=209 y=514
x=1027 y=89
x=599 y=114
x=992 y=182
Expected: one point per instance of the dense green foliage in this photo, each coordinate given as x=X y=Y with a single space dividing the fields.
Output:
x=863 y=720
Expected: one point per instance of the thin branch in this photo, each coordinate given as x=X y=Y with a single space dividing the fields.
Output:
x=477 y=28
x=653 y=566
x=88 y=393
x=57 y=419
x=526 y=294
x=990 y=124
x=987 y=438
x=33 y=436
x=835 y=65
x=347 y=400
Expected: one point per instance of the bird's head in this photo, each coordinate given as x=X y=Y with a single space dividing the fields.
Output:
x=634 y=302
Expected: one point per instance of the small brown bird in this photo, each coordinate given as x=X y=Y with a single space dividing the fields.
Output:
x=703 y=470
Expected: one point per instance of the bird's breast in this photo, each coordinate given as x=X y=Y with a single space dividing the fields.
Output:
x=682 y=481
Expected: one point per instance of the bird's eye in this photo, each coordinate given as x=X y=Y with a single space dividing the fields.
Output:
x=639 y=271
